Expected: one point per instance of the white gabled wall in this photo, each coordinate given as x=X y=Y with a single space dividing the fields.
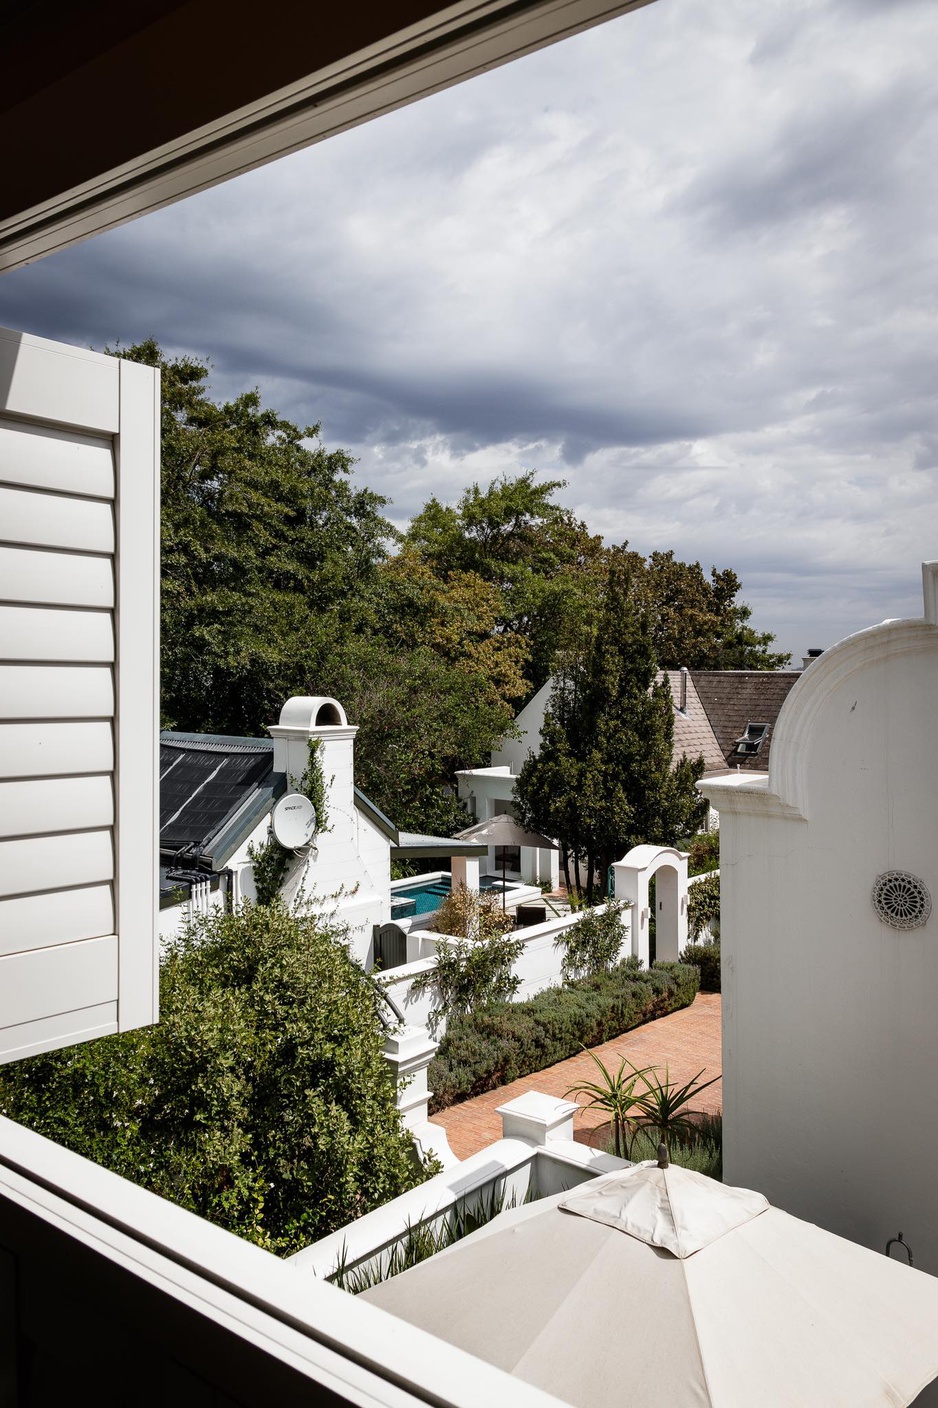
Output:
x=79 y=462
x=830 y=1037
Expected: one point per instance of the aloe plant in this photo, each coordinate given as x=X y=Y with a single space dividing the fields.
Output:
x=616 y=1095
x=663 y=1105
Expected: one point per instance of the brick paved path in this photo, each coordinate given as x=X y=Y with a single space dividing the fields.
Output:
x=686 y=1041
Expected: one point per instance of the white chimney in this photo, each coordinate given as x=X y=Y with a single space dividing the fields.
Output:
x=303 y=718
x=809 y=659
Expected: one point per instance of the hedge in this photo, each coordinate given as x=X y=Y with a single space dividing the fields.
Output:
x=706 y=957
x=485 y=1049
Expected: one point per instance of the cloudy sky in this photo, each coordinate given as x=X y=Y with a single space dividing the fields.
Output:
x=686 y=261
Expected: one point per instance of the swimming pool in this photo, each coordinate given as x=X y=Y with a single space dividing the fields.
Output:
x=426 y=897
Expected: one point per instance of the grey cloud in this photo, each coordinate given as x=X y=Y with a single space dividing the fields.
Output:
x=685 y=258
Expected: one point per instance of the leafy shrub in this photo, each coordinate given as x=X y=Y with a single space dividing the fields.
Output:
x=706 y=957
x=703 y=907
x=594 y=943
x=475 y=967
x=260 y=1101
x=473 y=914
x=488 y=1047
x=703 y=853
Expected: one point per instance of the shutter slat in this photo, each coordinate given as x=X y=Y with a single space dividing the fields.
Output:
x=55 y=750
x=54 y=521
x=56 y=692
x=55 y=578
x=39 y=863
x=49 y=459
x=51 y=1033
x=40 y=921
x=55 y=804
x=47 y=981
x=36 y=633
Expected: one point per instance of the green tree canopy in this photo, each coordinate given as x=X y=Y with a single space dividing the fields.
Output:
x=268 y=553
x=603 y=780
x=261 y=1100
x=280 y=577
x=538 y=555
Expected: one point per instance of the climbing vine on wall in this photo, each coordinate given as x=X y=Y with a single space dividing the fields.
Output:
x=271 y=860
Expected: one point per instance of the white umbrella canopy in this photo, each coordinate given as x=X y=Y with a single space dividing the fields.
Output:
x=503 y=830
x=660 y=1288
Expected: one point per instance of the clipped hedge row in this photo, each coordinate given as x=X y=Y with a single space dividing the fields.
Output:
x=498 y=1043
x=706 y=957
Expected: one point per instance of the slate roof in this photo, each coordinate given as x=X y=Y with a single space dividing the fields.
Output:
x=732 y=699
x=693 y=733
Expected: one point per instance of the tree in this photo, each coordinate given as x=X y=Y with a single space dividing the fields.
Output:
x=699 y=622
x=420 y=720
x=603 y=779
x=541 y=559
x=261 y=1101
x=268 y=553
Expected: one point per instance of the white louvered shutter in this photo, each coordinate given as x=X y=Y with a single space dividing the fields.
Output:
x=79 y=462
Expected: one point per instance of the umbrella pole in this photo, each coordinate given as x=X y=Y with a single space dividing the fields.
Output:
x=503 y=879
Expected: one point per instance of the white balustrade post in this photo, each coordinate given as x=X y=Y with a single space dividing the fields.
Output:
x=537 y=1118
x=408 y=1053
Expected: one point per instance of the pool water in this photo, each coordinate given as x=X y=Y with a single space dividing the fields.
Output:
x=427 y=897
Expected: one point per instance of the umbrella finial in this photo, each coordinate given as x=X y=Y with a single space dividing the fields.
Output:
x=664 y=1158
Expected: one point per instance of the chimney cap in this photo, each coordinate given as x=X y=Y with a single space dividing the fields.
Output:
x=312 y=712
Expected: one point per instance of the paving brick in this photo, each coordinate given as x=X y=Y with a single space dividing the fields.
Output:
x=686 y=1042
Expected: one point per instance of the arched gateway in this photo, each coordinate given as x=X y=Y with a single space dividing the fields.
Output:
x=633 y=875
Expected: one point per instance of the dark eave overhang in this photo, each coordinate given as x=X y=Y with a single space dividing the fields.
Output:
x=106 y=115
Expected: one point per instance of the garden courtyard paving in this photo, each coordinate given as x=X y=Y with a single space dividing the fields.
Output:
x=685 y=1041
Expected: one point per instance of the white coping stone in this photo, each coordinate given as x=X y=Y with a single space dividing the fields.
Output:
x=537 y=1117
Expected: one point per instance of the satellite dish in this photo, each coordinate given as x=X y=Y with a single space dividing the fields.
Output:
x=293 y=821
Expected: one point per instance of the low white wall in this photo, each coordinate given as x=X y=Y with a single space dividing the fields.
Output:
x=514 y=1168
x=538 y=966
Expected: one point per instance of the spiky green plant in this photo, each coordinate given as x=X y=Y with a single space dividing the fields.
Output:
x=616 y=1094
x=664 y=1105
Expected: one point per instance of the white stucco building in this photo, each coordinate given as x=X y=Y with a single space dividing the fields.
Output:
x=216 y=797
x=830 y=945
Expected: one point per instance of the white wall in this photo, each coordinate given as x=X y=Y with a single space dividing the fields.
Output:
x=538 y=966
x=830 y=1017
x=513 y=752
x=348 y=871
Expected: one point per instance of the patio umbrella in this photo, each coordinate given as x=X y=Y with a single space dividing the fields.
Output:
x=504 y=831
x=660 y=1288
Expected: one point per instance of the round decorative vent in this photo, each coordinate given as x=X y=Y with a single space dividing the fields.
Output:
x=901 y=900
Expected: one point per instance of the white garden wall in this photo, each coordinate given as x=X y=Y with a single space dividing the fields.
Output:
x=538 y=967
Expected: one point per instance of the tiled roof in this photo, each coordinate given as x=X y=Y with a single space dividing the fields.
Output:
x=693 y=734
x=734 y=698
